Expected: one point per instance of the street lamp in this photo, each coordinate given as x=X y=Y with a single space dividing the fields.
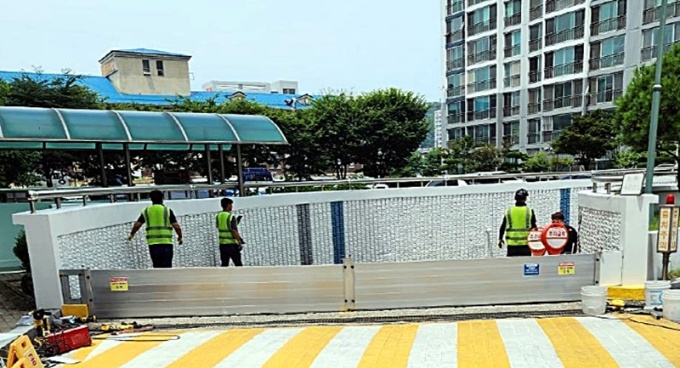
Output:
x=656 y=99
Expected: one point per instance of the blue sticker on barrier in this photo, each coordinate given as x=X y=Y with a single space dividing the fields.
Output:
x=531 y=269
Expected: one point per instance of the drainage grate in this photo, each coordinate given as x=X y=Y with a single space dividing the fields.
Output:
x=382 y=319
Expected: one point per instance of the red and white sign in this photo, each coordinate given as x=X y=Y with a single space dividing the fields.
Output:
x=535 y=242
x=555 y=238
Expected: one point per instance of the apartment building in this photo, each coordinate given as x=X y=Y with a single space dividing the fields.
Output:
x=517 y=70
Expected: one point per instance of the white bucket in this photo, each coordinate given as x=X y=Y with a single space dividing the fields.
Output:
x=671 y=305
x=653 y=293
x=594 y=300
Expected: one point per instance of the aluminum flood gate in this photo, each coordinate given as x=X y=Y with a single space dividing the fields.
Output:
x=184 y=292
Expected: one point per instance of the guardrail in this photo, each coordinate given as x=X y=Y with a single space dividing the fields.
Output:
x=135 y=193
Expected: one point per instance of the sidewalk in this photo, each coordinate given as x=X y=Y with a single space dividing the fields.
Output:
x=13 y=302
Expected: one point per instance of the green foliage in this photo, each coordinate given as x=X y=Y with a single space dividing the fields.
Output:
x=391 y=126
x=589 y=137
x=513 y=160
x=540 y=162
x=628 y=159
x=4 y=90
x=458 y=160
x=21 y=250
x=17 y=168
x=634 y=107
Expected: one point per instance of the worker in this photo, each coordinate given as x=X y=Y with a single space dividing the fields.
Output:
x=572 y=242
x=518 y=221
x=230 y=240
x=160 y=221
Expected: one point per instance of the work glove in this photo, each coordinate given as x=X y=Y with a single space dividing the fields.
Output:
x=501 y=243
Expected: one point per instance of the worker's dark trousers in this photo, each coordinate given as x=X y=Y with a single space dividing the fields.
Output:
x=230 y=251
x=161 y=255
x=519 y=251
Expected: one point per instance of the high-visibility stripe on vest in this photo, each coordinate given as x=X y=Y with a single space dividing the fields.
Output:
x=224 y=228
x=518 y=224
x=158 y=227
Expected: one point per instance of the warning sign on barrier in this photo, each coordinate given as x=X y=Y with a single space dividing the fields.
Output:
x=532 y=269
x=118 y=283
x=566 y=268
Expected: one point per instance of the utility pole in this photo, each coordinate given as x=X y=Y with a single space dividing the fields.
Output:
x=656 y=99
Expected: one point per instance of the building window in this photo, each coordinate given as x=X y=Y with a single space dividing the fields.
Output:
x=483 y=134
x=481 y=20
x=535 y=37
x=606 y=88
x=511 y=103
x=456 y=112
x=564 y=28
x=481 y=79
x=609 y=17
x=511 y=132
x=513 y=43
x=512 y=74
x=481 y=108
x=455 y=58
x=289 y=91
x=454 y=30
x=483 y=49
x=565 y=61
x=534 y=135
x=534 y=101
x=146 y=67
x=455 y=86
x=611 y=52
x=159 y=68
x=649 y=40
x=513 y=13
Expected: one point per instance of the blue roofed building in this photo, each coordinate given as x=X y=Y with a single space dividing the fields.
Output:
x=153 y=77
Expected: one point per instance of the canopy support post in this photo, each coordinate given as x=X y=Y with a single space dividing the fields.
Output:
x=209 y=166
x=128 y=164
x=102 y=165
x=239 y=172
x=223 y=174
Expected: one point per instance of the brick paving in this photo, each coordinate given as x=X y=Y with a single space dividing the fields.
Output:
x=13 y=302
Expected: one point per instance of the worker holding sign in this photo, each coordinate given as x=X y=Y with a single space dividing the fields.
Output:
x=572 y=243
x=518 y=221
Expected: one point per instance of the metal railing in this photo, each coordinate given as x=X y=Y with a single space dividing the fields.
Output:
x=555 y=5
x=535 y=45
x=510 y=111
x=513 y=19
x=481 y=114
x=511 y=51
x=605 y=96
x=511 y=81
x=454 y=7
x=649 y=52
x=136 y=193
x=536 y=12
x=565 y=35
x=479 y=57
x=607 y=61
x=455 y=91
x=482 y=27
x=481 y=85
x=454 y=37
x=534 y=76
x=455 y=64
x=562 y=102
x=608 y=25
x=563 y=69
x=650 y=15
x=534 y=107
x=455 y=118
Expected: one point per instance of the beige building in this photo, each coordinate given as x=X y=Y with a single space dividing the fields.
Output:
x=147 y=72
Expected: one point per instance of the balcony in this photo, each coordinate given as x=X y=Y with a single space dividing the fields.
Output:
x=534 y=45
x=513 y=19
x=533 y=138
x=534 y=76
x=551 y=136
x=455 y=64
x=455 y=91
x=475 y=2
x=481 y=56
x=608 y=25
x=484 y=140
x=564 y=69
x=534 y=108
x=652 y=14
x=454 y=7
x=454 y=37
x=649 y=52
x=511 y=139
x=482 y=27
x=510 y=111
x=512 y=51
x=606 y=96
x=562 y=36
x=607 y=61
x=555 y=5
x=481 y=114
x=481 y=85
x=562 y=102
x=511 y=81
x=455 y=118
x=536 y=12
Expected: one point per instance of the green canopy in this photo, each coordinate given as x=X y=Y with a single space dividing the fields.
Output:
x=44 y=128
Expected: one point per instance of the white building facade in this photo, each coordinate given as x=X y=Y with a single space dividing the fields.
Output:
x=517 y=70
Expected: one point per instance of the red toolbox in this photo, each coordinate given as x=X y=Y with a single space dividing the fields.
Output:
x=70 y=339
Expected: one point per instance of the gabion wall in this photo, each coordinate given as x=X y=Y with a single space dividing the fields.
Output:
x=401 y=229
x=599 y=230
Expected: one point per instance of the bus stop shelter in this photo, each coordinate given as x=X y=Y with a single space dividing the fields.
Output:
x=30 y=128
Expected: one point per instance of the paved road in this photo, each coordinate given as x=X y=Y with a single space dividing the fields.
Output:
x=555 y=342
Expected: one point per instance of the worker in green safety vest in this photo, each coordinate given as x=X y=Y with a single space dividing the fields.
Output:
x=160 y=222
x=518 y=221
x=230 y=240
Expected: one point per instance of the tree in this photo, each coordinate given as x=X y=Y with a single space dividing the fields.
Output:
x=392 y=126
x=459 y=160
x=628 y=159
x=485 y=158
x=589 y=137
x=415 y=165
x=634 y=107
x=513 y=160
x=17 y=168
x=539 y=162
x=4 y=91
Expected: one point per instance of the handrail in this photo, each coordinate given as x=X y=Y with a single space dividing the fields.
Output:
x=34 y=195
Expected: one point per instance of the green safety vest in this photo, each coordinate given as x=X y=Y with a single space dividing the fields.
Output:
x=518 y=224
x=158 y=227
x=224 y=228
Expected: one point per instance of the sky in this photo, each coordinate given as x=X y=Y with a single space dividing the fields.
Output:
x=350 y=45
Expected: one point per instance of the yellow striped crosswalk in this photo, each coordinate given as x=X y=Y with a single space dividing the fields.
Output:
x=569 y=342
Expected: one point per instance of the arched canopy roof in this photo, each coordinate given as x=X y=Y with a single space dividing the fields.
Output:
x=45 y=128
